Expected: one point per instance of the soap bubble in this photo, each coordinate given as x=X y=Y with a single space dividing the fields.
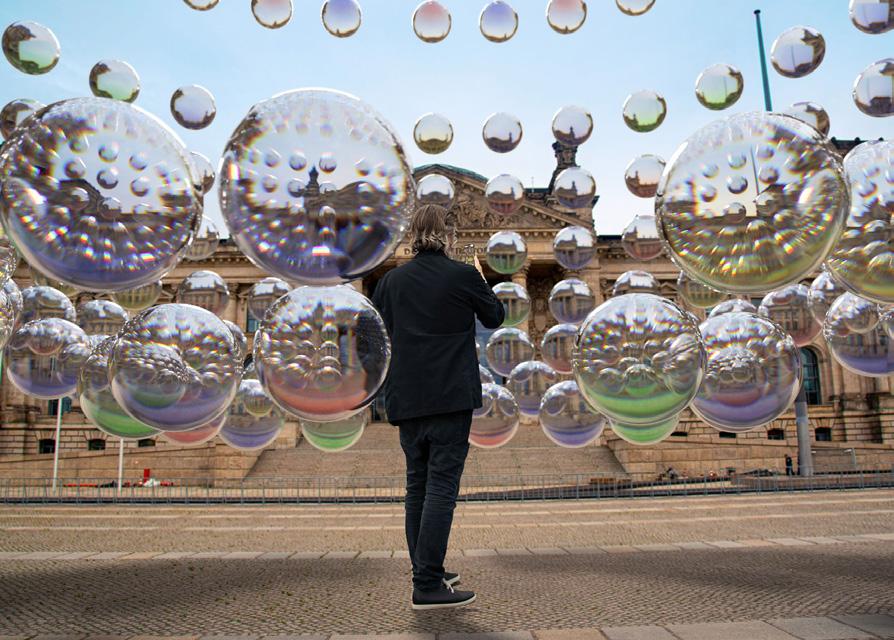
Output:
x=566 y=16
x=752 y=375
x=507 y=348
x=239 y=338
x=15 y=112
x=645 y=434
x=113 y=204
x=504 y=194
x=9 y=258
x=789 y=307
x=14 y=295
x=193 y=107
x=572 y=126
x=502 y=132
x=272 y=14
x=640 y=239
x=199 y=435
x=204 y=243
x=97 y=401
x=39 y=279
x=337 y=435
x=567 y=419
x=575 y=188
x=642 y=175
x=322 y=352
x=696 y=294
x=644 y=111
x=204 y=289
x=201 y=5
x=857 y=338
x=528 y=381
x=435 y=189
x=253 y=422
x=114 y=79
x=557 y=346
x=139 y=298
x=498 y=21
x=203 y=179
x=43 y=357
x=496 y=422
x=797 y=52
x=506 y=252
x=290 y=193
x=9 y=316
x=484 y=375
x=574 y=247
x=263 y=294
x=341 y=18
x=174 y=367
x=719 y=86
x=639 y=359
x=752 y=203
x=40 y=301
x=101 y=317
x=571 y=300
x=431 y=21
x=634 y=7
x=863 y=259
x=636 y=282
x=736 y=305
x=824 y=290
x=30 y=47
x=516 y=302
x=811 y=113
x=433 y=133
x=874 y=89
x=872 y=16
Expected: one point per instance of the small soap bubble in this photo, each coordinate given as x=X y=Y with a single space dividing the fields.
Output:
x=204 y=172
x=789 y=307
x=435 y=189
x=719 y=86
x=341 y=18
x=507 y=348
x=44 y=357
x=696 y=294
x=496 y=422
x=201 y=5
x=797 y=52
x=824 y=290
x=644 y=111
x=634 y=7
x=872 y=16
x=337 y=435
x=874 y=90
x=557 y=346
x=204 y=243
x=15 y=112
x=642 y=175
x=253 y=421
x=811 y=113
x=139 y=298
x=640 y=239
x=41 y=301
x=30 y=47
x=516 y=302
x=506 y=252
x=566 y=16
x=572 y=126
x=263 y=294
x=484 y=375
x=239 y=338
x=40 y=279
x=574 y=247
x=204 y=289
x=431 y=21
x=101 y=317
x=570 y=301
x=528 y=381
x=272 y=14
x=498 y=21
x=502 y=132
x=504 y=194
x=636 y=282
x=114 y=79
x=193 y=107
x=575 y=188
x=567 y=419
x=735 y=305
x=433 y=133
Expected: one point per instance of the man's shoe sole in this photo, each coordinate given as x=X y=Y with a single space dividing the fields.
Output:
x=445 y=605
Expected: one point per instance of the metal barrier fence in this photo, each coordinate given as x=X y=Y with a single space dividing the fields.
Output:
x=332 y=490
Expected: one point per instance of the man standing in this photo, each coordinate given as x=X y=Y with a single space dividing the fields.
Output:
x=429 y=306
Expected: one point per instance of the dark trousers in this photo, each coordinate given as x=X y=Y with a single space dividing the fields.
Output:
x=436 y=448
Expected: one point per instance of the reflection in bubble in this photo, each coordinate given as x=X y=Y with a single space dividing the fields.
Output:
x=874 y=89
x=199 y=435
x=645 y=434
x=571 y=300
x=41 y=301
x=337 y=435
x=566 y=16
x=203 y=177
x=575 y=188
x=253 y=422
x=272 y=14
x=735 y=305
x=516 y=302
x=557 y=346
x=341 y=18
x=263 y=294
x=574 y=247
x=719 y=86
x=101 y=317
x=9 y=316
x=797 y=52
x=433 y=133
x=435 y=189
x=640 y=239
x=498 y=21
x=201 y=5
x=872 y=16
x=504 y=194
x=572 y=126
x=824 y=290
x=204 y=242
x=528 y=381
x=644 y=111
x=642 y=175
x=507 y=348
x=636 y=282
x=811 y=113
x=114 y=79
x=30 y=47
x=634 y=7
x=15 y=112
x=857 y=337
x=193 y=107
x=789 y=307
x=431 y=21
x=238 y=338
x=506 y=252
x=502 y=132
x=140 y=298
x=43 y=357
x=696 y=294
x=496 y=422
x=204 y=289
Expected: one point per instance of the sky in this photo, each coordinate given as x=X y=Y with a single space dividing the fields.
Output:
x=465 y=77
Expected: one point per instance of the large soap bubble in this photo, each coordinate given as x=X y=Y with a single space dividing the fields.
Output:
x=337 y=435
x=639 y=360
x=798 y=51
x=292 y=194
x=574 y=247
x=204 y=241
x=572 y=125
x=571 y=300
x=575 y=188
x=43 y=357
x=203 y=176
x=642 y=175
x=645 y=434
x=567 y=419
x=753 y=372
x=272 y=14
x=811 y=113
x=634 y=7
x=719 y=86
x=101 y=317
x=498 y=21
x=640 y=239
x=175 y=367
x=204 y=289
x=506 y=252
x=696 y=294
x=789 y=307
x=872 y=16
x=30 y=47
x=863 y=259
x=502 y=132
x=507 y=348
x=566 y=16
x=437 y=190
x=263 y=294
x=752 y=203
x=14 y=295
x=114 y=79
x=433 y=133
x=253 y=422
x=341 y=18
x=858 y=338
x=485 y=375
x=496 y=422
x=40 y=302
x=736 y=305
x=15 y=112
x=528 y=381
x=139 y=298
x=516 y=302
x=431 y=21
x=824 y=290
x=113 y=205
x=557 y=346
x=322 y=352
x=636 y=282
x=504 y=194
x=644 y=111
x=874 y=91
x=193 y=107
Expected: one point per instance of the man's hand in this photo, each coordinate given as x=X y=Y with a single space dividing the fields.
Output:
x=478 y=266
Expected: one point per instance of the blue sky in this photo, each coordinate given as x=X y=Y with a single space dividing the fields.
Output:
x=465 y=77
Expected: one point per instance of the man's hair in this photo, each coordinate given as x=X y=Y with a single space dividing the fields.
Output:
x=428 y=230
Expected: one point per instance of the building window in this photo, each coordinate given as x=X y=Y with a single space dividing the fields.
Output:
x=775 y=434
x=96 y=444
x=811 y=375
x=823 y=434
x=53 y=406
x=680 y=434
x=146 y=442
x=251 y=324
x=727 y=434
x=46 y=445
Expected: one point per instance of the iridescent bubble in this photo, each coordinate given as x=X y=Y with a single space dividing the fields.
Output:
x=696 y=294
x=567 y=419
x=337 y=435
x=566 y=16
x=507 y=348
x=752 y=203
x=639 y=360
x=204 y=175
x=290 y=193
x=40 y=301
x=101 y=317
x=789 y=307
x=43 y=357
x=201 y=5
x=504 y=194
x=719 y=86
x=506 y=252
x=199 y=435
x=642 y=175
x=193 y=107
x=857 y=338
x=498 y=21
x=9 y=258
x=575 y=188
x=79 y=219
x=9 y=316
x=502 y=132
x=263 y=294
x=824 y=290
x=253 y=422
x=557 y=346
x=204 y=289
x=341 y=18
x=15 y=112
x=272 y=14
x=645 y=434
x=14 y=295
x=571 y=300
x=872 y=16
x=204 y=243
x=644 y=111
x=528 y=381
x=139 y=298
x=433 y=133
x=811 y=113
x=572 y=126
x=574 y=247
x=874 y=89
x=736 y=305
x=636 y=282
x=797 y=52
x=39 y=279
x=97 y=401
x=634 y=7
x=114 y=79
x=516 y=302
x=484 y=375
x=322 y=352
x=435 y=189
x=175 y=367
x=431 y=21
x=239 y=338
x=640 y=239
x=30 y=47
x=753 y=372
x=496 y=422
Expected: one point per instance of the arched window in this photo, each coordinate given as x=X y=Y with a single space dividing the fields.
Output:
x=811 y=374
x=96 y=444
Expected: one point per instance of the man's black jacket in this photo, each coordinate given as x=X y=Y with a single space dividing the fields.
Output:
x=429 y=307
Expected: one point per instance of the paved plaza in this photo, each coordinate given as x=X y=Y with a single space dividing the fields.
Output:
x=811 y=566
